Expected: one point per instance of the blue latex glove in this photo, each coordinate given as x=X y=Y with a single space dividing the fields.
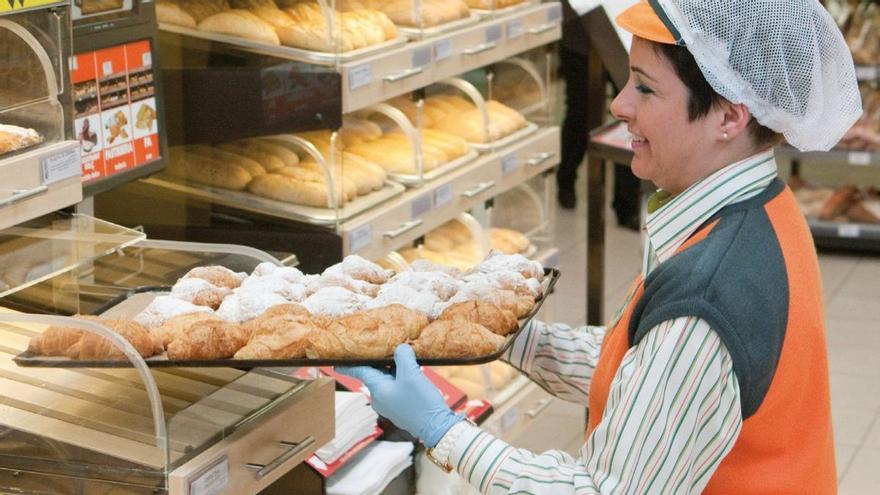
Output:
x=408 y=399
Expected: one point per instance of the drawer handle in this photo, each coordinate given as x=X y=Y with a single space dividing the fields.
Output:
x=543 y=28
x=400 y=76
x=403 y=229
x=23 y=194
x=478 y=189
x=291 y=450
x=482 y=47
x=540 y=158
x=539 y=406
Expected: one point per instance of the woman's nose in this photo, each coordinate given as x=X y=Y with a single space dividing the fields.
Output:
x=619 y=107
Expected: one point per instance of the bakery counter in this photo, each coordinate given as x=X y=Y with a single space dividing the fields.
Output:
x=417 y=64
x=411 y=215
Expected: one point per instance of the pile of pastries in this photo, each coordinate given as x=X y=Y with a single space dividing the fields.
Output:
x=13 y=137
x=453 y=244
x=299 y=24
x=847 y=203
x=354 y=309
x=461 y=117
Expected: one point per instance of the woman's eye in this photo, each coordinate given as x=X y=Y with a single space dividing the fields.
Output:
x=641 y=88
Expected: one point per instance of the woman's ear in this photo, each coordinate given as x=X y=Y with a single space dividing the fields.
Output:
x=735 y=119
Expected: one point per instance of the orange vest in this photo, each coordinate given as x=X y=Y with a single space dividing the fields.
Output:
x=786 y=445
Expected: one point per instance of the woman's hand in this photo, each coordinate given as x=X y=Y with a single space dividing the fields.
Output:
x=407 y=398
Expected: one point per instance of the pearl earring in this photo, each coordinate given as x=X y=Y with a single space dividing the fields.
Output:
x=724 y=135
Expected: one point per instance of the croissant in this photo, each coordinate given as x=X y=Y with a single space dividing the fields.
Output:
x=459 y=339
x=173 y=327
x=280 y=337
x=81 y=344
x=499 y=321
x=208 y=339
x=373 y=333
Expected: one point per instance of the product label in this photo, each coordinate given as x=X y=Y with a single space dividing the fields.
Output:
x=859 y=158
x=515 y=29
x=442 y=49
x=60 y=166
x=493 y=33
x=421 y=205
x=213 y=481
x=421 y=56
x=360 y=238
x=849 y=231
x=443 y=195
x=509 y=163
x=360 y=75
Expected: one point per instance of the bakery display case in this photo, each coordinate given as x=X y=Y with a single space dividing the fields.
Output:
x=38 y=162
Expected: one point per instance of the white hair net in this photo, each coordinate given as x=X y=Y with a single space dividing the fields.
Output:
x=785 y=60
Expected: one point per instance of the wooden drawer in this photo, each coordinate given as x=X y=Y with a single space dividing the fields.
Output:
x=306 y=419
x=38 y=182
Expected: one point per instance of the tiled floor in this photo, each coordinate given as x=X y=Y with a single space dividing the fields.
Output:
x=852 y=294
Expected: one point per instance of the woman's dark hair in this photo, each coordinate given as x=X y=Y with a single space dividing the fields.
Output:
x=702 y=96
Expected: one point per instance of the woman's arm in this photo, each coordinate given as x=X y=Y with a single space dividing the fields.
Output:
x=673 y=413
x=557 y=357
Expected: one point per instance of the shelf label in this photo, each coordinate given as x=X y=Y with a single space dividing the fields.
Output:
x=515 y=29
x=867 y=72
x=107 y=68
x=421 y=56
x=554 y=13
x=442 y=49
x=147 y=58
x=421 y=205
x=509 y=163
x=493 y=33
x=360 y=75
x=859 y=157
x=213 y=481
x=60 y=166
x=360 y=238
x=849 y=231
x=443 y=195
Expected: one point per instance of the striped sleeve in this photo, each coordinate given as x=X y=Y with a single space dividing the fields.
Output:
x=557 y=357
x=672 y=415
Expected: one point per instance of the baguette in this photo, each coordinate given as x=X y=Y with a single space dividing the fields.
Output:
x=241 y=23
x=214 y=153
x=207 y=171
x=289 y=190
x=269 y=162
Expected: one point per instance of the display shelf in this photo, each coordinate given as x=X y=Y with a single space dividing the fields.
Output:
x=400 y=221
x=832 y=157
x=845 y=235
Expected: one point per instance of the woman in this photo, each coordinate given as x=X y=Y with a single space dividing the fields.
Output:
x=713 y=376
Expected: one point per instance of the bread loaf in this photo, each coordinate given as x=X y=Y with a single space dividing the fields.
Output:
x=13 y=138
x=241 y=23
x=171 y=13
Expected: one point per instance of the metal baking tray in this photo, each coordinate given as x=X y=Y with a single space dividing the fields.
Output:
x=429 y=32
x=413 y=179
x=287 y=52
x=488 y=13
x=551 y=276
x=251 y=202
x=489 y=147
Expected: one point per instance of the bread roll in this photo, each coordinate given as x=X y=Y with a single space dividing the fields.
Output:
x=202 y=9
x=508 y=241
x=241 y=23
x=204 y=170
x=268 y=161
x=346 y=185
x=282 y=188
x=499 y=321
x=456 y=339
x=171 y=13
x=214 y=153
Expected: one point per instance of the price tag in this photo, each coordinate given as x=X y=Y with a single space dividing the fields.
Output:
x=443 y=195
x=360 y=238
x=442 y=49
x=421 y=205
x=867 y=72
x=421 y=56
x=858 y=158
x=508 y=419
x=554 y=13
x=107 y=67
x=213 y=481
x=493 y=33
x=60 y=166
x=74 y=63
x=360 y=75
x=147 y=58
x=509 y=163
x=848 y=230
x=515 y=29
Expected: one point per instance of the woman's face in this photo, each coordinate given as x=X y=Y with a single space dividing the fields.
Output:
x=669 y=150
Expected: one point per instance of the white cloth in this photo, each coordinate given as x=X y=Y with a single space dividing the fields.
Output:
x=355 y=420
x=369 y=472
